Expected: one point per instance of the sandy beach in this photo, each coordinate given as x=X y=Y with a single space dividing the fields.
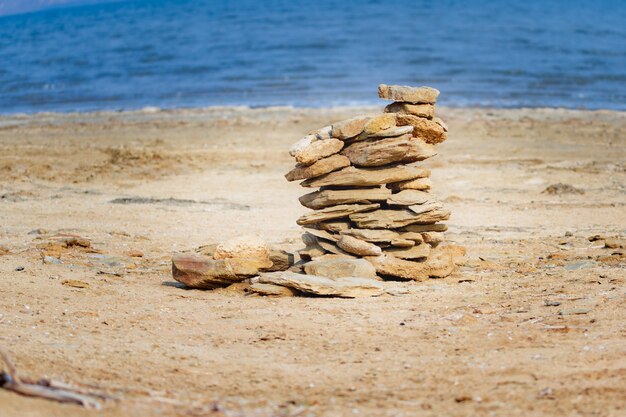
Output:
x=532 y=324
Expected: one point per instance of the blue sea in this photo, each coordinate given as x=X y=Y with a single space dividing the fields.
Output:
x=313 y=53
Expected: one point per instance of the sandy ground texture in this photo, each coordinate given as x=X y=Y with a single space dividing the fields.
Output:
x=534 y=323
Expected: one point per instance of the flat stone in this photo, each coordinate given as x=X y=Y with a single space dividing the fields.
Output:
x=302 y=144
x=198 y=271
x=372 y=235
x=415 y=252
x=325 y=198
x=414 y=236
x=334 y=212
x=357 y=246
x=322 y=234
x=321 y=167
x=340 y=268
x=421 y=184
x=311 y=251
x=332 y=248
x=347 y=287
x=428 y=130
x=425 y=207
x=402 y=243
x=395 y=219
x=317 y=150
x=420 y=228
x=387 y=265
x=431 y=216
x=281 y=260
x=362 y=177
x=409 y=198
x=441 y=123
x=408 y=94
x=420 y=110
x=244 y=247
x=387 y=133
x=377 y=152
x=349 y=128
x=379 y=123
x=334 y=226
x=272 y=290
x=324 y=132
x=433 y=238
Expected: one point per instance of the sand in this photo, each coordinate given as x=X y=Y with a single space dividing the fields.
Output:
x=533 y=324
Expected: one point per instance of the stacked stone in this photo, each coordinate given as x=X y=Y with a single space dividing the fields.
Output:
x=373 y=198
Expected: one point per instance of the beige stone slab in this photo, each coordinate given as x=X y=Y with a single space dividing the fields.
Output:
x=325 y=198
x=322 y=234
x=321 y=167
x=358 y=247
x=372 y=235
x=362 y=177
x=402 y=243
x=388 y=265
x=334 y=212
x=420 y=110
x=428 y=130
x=392 y=132
x=199 y=271
x=378 y=152
x=415 y=252
x=409 y=198
x=340 y=268
x=317 y=150
x=272 y=290
x=334 y=226
x=349 y=128
x=419 y=228
x=348 y=287
x=420 y=184
x=395 y=219
x=408 y=94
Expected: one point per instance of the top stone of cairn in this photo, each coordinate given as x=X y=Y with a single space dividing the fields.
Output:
x=408 y=94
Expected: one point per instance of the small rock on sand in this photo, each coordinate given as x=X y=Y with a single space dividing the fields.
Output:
x=561 y=188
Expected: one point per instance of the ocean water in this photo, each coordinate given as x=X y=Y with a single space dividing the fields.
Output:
x=190 y=53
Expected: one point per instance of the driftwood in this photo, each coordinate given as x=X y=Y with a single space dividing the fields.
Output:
x=45 y=388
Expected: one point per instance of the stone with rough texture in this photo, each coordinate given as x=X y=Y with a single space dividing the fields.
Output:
x=419 y=110
x=372 y=235
x=419 y=228
x=428 y=130
x=402 y=243
x=433 y=238
x=435 y=215
x=425 y=207
x=415 y=252
x=395 y=219
x=325 y=198
x=409 y=198
x=379 y=123
x=357 y=246
x=420 y=184
x=392 y=132
x=377 y=152
x=408 y=94
x=362 y=177
x=414 y=236
x=349 y=128
x=321 y=167
x=331 y=247
x=322 y=234
x=317 y=150
x=272 y=290
x=334 y=212
x=302 y=144
x=348 y=287
x=387 y=265
x=198 y=271
x=441 y=123
x=281 y=260
x=334 y=226
x=244 y=247
x=340 y=268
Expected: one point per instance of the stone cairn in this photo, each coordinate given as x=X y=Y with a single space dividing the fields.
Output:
x=372 y=199
x=373 y=216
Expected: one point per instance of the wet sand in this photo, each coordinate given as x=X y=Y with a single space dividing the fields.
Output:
x=533 y=323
